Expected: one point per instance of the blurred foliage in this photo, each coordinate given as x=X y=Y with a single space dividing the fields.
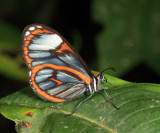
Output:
x=128 y=22
x=9 y=37
x=10 y=53
x=122 y=22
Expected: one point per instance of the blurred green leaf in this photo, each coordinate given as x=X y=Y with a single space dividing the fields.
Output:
x=10 y=37
x=128 y=22
x=10 y=43
x=11 y=68
x=139 y=111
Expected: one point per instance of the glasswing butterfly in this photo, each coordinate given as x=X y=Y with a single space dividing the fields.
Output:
x=57 y=72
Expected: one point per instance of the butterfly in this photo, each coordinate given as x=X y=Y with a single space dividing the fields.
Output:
x=57 y=72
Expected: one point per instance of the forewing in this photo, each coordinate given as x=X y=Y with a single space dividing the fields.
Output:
x=42 y=45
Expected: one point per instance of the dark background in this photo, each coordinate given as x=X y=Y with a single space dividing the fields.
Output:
x=82 y=23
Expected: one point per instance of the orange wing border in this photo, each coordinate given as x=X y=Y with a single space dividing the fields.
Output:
x=42 y=93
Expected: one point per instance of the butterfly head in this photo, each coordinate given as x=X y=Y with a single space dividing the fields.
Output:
x=102 y=78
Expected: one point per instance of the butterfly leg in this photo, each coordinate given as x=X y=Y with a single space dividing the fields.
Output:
x=74 y=110
x=109 y=100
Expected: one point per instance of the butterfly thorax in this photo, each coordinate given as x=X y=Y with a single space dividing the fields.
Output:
x=94 y=85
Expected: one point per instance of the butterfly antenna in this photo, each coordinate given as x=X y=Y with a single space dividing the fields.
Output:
x=115 y=57
x=113 y=69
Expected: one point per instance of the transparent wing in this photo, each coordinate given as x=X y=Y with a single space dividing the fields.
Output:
x=55 y=84
x=43 y=45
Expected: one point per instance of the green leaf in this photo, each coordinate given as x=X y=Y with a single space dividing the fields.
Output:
x=139 y=112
